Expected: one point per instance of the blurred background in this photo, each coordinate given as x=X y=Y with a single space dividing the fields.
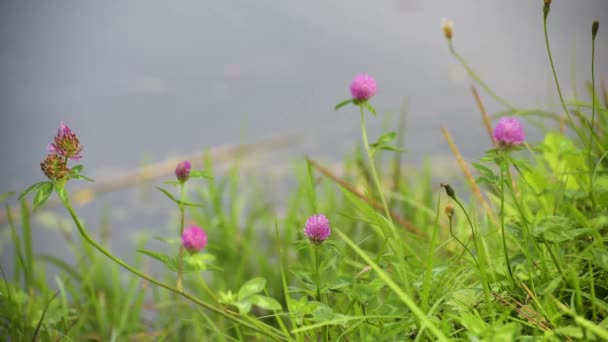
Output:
x=141 y=81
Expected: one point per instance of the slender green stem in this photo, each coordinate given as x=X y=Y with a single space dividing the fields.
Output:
x=373 y=165
x=592 y=127
x=27 y=245
x=207 y=289
x=477 y=79
x=479 y=261
x=599 y=240
x=559 y=89
x=325 y=331
x=503 y=166
x=426 y=288
x=275 y=335
x=376 y=181
x=592 y=290
x=181 y=232
x=519 y=204
x=470 y=225
x=556 y=263
x=460 y=242
x=318 y=275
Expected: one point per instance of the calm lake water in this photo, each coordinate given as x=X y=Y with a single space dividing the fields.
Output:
x=143 y=80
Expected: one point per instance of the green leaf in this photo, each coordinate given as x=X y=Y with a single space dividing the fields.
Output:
x=158 y=256
x=166 y=240
x=322 y=313
x=200 y=174
x=599 y=256
x=6 y=195
x=515 y=230
x=76 y=169
x=363 y=293
x=60 y=189
x=31 y=188
x=385 y=138
x=342 y=104
x=557 y=229
x=194 y=263
x=565 y=159
x=487 y=174
x=264 y=302
x=336 y=283
x=391 y=148
x=190 y=204
x=43 y=194
x=570 y=331
x=252 y=287
x=191 y=263
x=168 y=194
x=370 y=108
x=79 y=176
x=463 y=300
x=244 y=307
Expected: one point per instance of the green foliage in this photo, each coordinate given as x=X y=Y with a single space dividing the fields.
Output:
x=191 y=263
x=179 y=202
x=248 y=295
x=383 y=143
x=42 y=194
x=75 y=173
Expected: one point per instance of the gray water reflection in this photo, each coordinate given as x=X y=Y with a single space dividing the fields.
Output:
x=152 y=79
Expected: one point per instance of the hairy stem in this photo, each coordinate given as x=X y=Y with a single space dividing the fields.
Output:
x=503 y=166
x=559 y=89
x=318 y=275
x=373 y=165
x=592 y=127
x=181 y=232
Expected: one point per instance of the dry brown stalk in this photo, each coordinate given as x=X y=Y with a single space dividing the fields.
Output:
x=562 y=124
x=378 y=206
x=526 y=312
x=484 y=115
x=467 y=172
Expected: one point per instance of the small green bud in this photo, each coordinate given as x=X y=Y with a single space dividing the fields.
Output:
x=449 y=190
x=546 y=8
x=594 y=28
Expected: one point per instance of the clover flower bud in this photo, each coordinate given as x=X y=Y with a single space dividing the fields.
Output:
x=194 y=239
x=182 y=170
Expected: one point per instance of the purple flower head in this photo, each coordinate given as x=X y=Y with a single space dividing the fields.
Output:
x=64 y=129
x=182 y=171
x=509 y=132
x=363 y=87
x=55 y=167
x=317 y=229
x=65 y=143
x=194 y=239
x=50 y=148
